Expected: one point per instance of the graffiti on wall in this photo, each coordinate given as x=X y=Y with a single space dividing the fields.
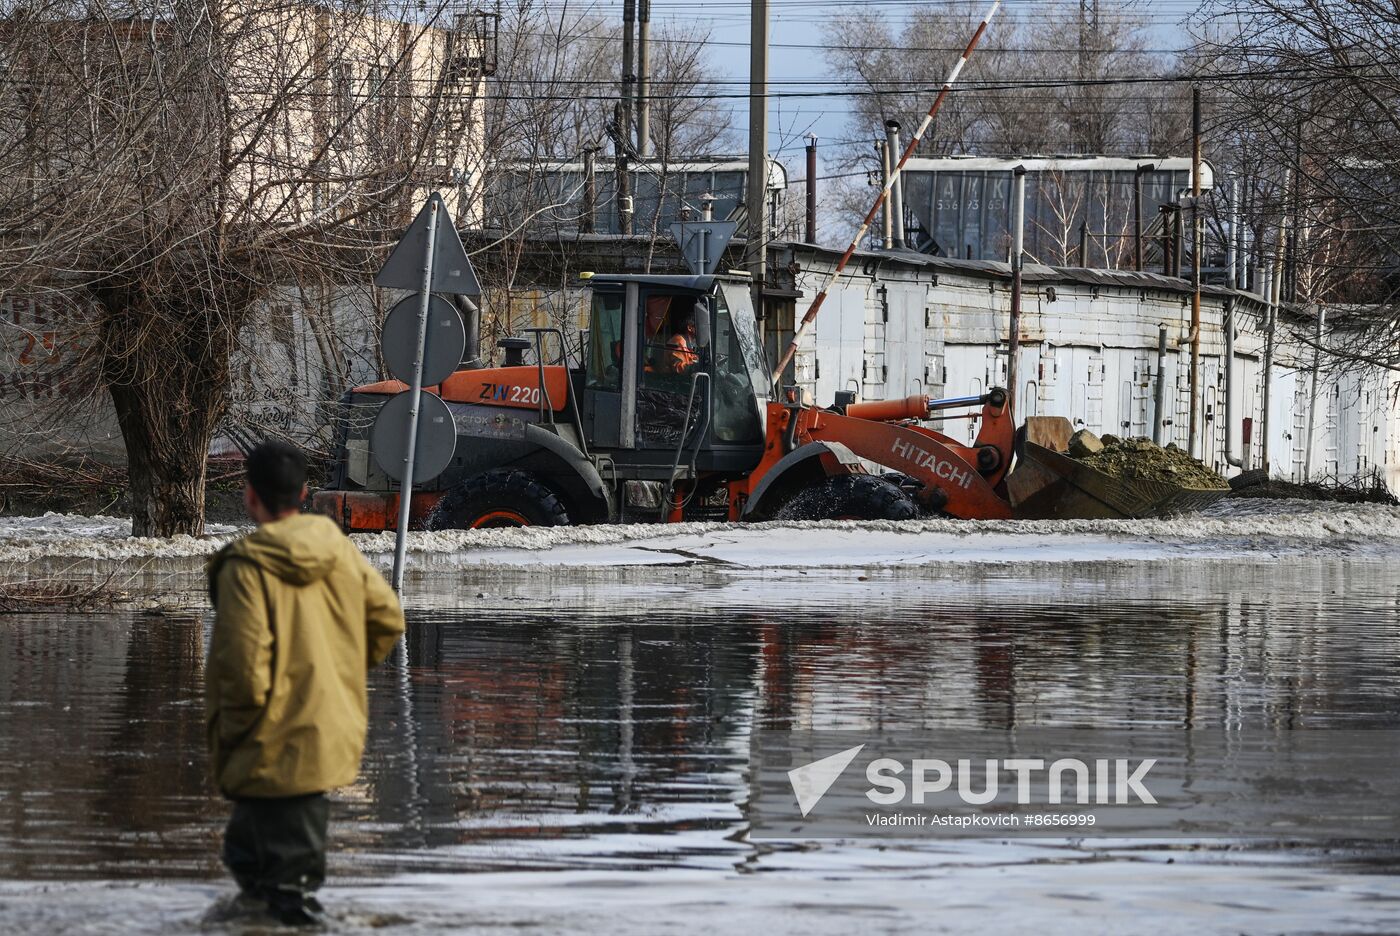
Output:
x=42 y=346
x=295 y=364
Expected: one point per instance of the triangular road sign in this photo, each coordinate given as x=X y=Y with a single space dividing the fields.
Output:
x=702 y=243
x=452 y=271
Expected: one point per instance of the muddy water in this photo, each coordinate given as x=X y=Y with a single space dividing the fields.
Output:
x=534 y=723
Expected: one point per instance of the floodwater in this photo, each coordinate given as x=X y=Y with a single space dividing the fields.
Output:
x=568 y=753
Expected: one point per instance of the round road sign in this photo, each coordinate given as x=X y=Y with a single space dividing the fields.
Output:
x=437 y=437
x=442 y=351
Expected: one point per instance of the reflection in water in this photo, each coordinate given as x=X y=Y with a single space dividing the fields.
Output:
x=524 y=735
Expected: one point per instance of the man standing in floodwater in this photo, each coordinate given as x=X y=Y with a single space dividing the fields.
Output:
x=300 y=618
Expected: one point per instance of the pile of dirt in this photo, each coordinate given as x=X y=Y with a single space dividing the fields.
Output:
x=1141 y=460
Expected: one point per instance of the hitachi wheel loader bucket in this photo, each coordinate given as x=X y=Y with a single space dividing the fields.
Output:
x=1049 y=485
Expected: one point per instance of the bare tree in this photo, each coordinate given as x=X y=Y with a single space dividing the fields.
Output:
x=1066 y=201
x=169 y=165
x=1035 y=86
x=559 y=85
x=1308 y=99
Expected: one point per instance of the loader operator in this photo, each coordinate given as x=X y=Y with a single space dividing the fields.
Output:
x=682 y=355
x=677 y=354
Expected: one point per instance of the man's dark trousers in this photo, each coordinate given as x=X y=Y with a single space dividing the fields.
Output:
x=278 y=845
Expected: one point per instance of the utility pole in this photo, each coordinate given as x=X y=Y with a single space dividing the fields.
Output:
x=629 y=29
x=895 y=206
x=811 y=237
x=1018 y=247
x=1231 y=253
x=1083 y=38
x=757 y=247
x=1295 y=220
x=1312 y=396
x=1302 y=230
x=1193 y=423
x=644 y=78
x=624 y=121
x=624 y=179
x=1088 y=41
x=886 y=219
x=1271 y=325
x=1242 y=245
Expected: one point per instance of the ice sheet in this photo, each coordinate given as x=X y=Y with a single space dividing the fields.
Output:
x=1233 y=529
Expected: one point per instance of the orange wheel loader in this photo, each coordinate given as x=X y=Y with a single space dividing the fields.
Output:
x=668 y=417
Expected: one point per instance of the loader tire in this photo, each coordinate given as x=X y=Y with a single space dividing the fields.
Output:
x=850 y=497
x=499 y=498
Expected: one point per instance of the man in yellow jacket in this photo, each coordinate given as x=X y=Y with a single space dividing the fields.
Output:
x=300 y=618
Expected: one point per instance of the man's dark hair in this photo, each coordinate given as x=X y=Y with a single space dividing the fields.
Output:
x=277 y=473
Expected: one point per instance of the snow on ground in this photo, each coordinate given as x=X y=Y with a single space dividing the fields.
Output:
x=67 y=526
x=1233 y=529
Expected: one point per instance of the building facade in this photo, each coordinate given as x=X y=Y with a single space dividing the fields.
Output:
x=1093 y=344
x=295 y=116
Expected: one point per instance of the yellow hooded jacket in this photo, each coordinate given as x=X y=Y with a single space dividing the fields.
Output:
x=300 y=617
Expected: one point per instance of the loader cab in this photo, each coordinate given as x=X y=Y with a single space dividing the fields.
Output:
x=674 y=365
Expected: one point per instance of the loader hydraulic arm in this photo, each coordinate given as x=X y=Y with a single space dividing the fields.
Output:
x=920 y=406
x=957 y=479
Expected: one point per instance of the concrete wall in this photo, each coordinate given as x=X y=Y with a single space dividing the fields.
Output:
x=893 y=327
x=1356 y=414
x=304 y=353
x=300 y=355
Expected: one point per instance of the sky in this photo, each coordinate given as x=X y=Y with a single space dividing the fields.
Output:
x=796 y=62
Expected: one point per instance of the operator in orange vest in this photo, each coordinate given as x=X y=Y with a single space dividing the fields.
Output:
x=682 y=353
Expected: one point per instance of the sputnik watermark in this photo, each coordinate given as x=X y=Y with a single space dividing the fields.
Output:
x=1115 y=781
x=1060 y=782
x=1008 y=821
x=811 y=781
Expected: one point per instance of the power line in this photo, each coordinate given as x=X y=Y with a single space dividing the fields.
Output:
x=1309 y=74
x=841 y=47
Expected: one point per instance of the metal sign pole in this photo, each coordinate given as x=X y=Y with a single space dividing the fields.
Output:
x=416 y=390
